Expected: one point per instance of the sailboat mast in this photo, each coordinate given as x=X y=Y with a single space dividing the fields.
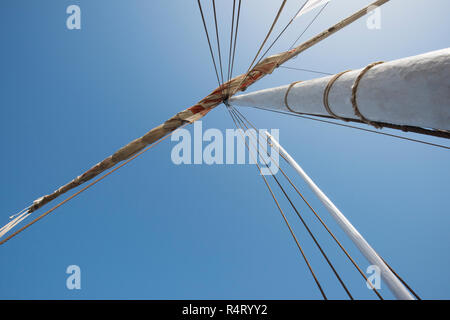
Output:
x=394 y=284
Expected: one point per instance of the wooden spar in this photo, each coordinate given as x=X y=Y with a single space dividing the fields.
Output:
x=413 y=91
x=394 y=284
x=196 y=112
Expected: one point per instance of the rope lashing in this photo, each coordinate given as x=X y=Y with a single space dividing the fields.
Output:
x=286 y=97
x=355 y=86
x=326 y=93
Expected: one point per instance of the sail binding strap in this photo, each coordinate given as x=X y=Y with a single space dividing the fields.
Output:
x=355 y=86
x=286 y=97
x=326 y=93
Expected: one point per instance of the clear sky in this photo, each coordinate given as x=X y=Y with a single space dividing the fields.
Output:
x=155 y=230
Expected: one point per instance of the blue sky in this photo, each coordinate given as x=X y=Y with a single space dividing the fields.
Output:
x=155 y=230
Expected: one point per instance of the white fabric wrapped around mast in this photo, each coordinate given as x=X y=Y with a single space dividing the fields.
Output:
x=413 y=91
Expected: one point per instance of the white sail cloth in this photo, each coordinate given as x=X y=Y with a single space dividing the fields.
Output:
x=310 y=5
x=413 y=91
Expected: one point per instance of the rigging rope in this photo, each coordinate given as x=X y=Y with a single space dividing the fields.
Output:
x=231 y=43
x=198 y=110
x=282 y=31
x=295 y=209
x=264 y=42
x=268 y=34
x=217 y=37
x=89 y=185
x=309 y=25
x=353 y=127
x=401 y=280
x=16 y=219
x=281 y=211
x=307 y=70
x=235 y=39
x=318 y=217
x=329 y=231
x=209 y=42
